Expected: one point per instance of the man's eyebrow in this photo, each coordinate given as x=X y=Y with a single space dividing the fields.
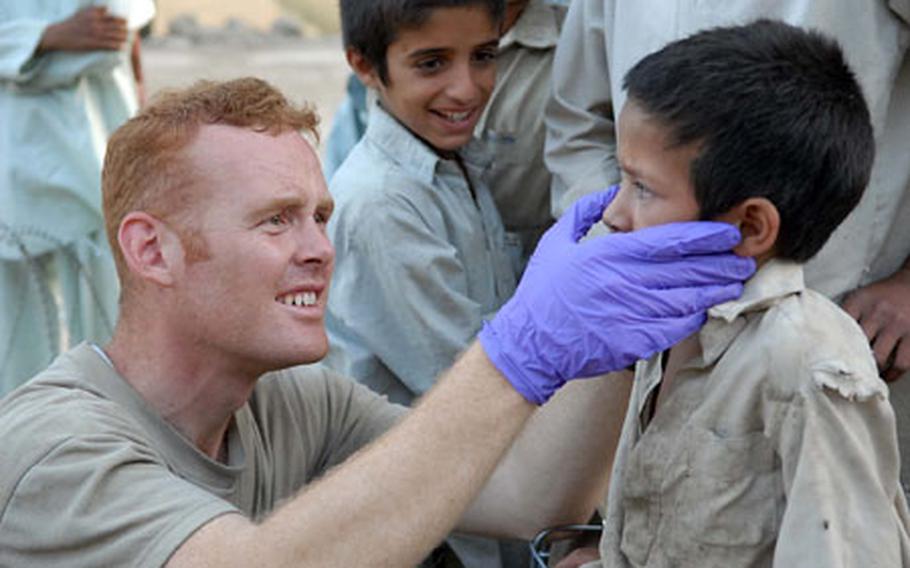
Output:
x=326 y=205
x=275 y=204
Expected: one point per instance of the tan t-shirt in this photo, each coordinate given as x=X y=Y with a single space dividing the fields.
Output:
x=92 y=476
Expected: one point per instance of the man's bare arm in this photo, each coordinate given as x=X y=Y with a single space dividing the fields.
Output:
x=559 y=467
x=390 y=504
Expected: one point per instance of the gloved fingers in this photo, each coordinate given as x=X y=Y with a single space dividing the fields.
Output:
x=689 y=301
x=710 y=296
x=685 y=326
x=674 y=240
x=587 y=211
x=704 y=270
x=683 y=302
x=652 y=335
x=574 y=223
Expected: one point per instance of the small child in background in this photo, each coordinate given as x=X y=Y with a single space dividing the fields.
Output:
x=511 y=126
x=767 y=438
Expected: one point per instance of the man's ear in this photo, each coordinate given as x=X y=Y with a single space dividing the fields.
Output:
x=364 y=70
x=759 y=223
x=151 y=249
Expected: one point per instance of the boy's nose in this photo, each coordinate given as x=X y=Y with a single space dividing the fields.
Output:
x=465 y=85
x=616 y=217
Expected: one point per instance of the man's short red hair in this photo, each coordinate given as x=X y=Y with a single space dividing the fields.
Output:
x=144 y=169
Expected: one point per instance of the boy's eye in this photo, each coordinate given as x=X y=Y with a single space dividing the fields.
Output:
x=486 y=55
x=429 y=65
x=641 y=191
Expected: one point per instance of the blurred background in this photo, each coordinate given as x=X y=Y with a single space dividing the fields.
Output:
x=293 y=44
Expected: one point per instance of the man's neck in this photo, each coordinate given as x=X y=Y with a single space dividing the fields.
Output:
x=195 y=391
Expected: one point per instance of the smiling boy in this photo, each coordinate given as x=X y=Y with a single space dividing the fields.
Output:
x=421 y=254
x=767 y=438
x=417 y=233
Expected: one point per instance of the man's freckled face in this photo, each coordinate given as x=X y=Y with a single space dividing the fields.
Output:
x=656 y=185
x=262 y=215
x=441 y=75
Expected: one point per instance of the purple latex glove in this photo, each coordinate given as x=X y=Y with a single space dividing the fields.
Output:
x=584 y=309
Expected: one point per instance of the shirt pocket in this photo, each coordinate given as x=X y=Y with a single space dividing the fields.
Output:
x=518 y=179
x=734 y=494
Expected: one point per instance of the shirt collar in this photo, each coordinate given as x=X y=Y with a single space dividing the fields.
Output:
x=537 y=27
x=413 y=155
x=773 y=282
x=99 y=375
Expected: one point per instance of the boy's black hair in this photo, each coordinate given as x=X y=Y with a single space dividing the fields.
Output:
x=778 y=114
x=370 y=26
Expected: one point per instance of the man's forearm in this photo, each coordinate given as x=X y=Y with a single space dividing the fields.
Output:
x=390 y=504
x=558 y=469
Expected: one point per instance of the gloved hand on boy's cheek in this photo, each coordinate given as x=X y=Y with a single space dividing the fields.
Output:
x=584 y=309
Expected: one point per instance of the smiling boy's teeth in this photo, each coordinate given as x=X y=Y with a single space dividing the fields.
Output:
x=456 y=116
x=309 y=298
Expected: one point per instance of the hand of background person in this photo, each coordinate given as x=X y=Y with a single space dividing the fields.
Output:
x=587 y=308
x=883 y=310
x=88 y=29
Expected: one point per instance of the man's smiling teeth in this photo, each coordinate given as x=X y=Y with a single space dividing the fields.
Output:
x=299 y=299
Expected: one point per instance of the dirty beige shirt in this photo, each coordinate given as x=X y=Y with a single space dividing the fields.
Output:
x=775 y=447
x=603 y=39
x=91 y=476
x=512 y=123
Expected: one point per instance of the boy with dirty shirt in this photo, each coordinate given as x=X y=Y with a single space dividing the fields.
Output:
x=766 y=438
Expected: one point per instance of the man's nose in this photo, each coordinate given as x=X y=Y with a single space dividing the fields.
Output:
x=313 y=244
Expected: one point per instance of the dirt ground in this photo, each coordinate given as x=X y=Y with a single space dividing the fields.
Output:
x=257 y=13
x=306 y=70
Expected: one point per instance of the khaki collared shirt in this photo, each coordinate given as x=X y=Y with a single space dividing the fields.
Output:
x=776 y=446
x=602 y=39
x=512 y=123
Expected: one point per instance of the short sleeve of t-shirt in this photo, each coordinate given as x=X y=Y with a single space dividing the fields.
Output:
x=101 y=500
x=92 y=476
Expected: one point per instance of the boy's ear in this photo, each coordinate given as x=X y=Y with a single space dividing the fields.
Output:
x=759 y=223
x=362 y=68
